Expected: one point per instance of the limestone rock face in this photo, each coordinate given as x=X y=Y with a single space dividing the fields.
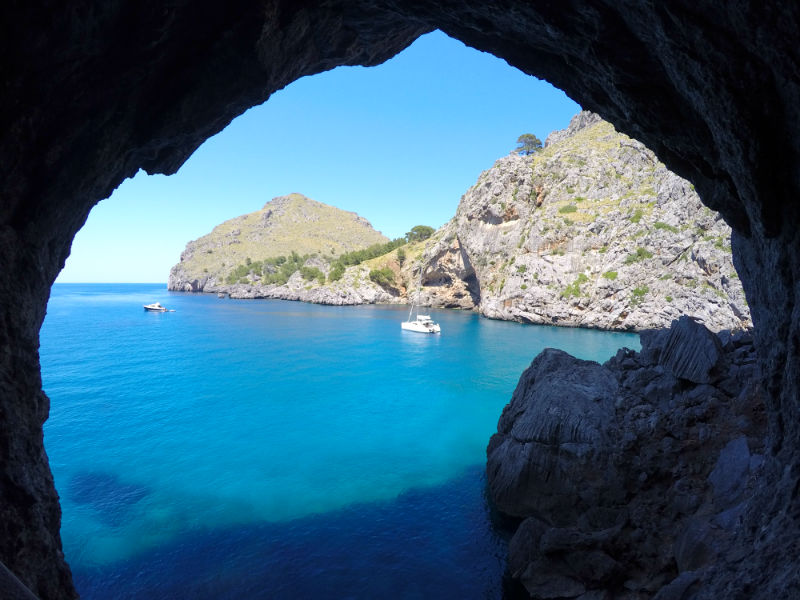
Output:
x=582 y=120
x=630 y=477
x=449 y=279
x=354 y=288
x=691 y=351
x=555 y=439
x=711 y=89
x=593 y=231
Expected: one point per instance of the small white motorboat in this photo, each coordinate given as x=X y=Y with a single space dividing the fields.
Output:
x=155 y=307
x=422 y=324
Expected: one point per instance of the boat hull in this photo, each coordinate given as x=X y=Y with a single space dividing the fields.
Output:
x=420 y=327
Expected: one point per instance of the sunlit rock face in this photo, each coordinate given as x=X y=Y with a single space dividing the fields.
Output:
x=93 y=91
x=570 y=236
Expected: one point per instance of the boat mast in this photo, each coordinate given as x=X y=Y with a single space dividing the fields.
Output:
x=419 y=288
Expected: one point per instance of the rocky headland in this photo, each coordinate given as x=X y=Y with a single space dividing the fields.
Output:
x=631 y=479
x=292 y=223
x=592 y=231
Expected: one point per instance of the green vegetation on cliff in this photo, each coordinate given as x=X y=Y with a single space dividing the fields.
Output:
x=590 y=230
x=284 y=225
x=383 y=277
x=278 y=270
x=358 y=256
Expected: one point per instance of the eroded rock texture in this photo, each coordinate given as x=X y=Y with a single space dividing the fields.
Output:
x=592 y=231
x=631 y=478
x=92 y=91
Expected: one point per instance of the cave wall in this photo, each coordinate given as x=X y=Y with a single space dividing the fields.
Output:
x=93 y=91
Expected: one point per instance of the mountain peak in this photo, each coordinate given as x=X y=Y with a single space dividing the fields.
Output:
x=580 y=121
x=286 y=224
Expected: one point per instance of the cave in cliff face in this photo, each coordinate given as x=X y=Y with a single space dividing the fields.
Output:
x=94 y=91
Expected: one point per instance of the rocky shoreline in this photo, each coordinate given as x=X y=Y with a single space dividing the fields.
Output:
x=353 y=289
x=630 y=480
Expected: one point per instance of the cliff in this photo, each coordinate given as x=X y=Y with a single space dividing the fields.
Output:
x=591 y=231
x=631 y=479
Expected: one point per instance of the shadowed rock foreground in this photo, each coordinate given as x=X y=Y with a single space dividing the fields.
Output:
x=631 y=478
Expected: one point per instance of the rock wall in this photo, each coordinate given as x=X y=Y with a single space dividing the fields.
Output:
x=593 y=231
x=631 y=479
x=354 y=288
x=94 y=91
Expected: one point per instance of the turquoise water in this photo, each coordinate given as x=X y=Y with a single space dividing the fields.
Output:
x=272 y=449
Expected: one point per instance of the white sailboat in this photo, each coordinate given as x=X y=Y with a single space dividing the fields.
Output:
x=422 y=323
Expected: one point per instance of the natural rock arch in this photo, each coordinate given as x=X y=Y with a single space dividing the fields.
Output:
x=92 y=91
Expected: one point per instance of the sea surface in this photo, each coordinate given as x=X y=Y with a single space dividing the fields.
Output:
x=273 y=449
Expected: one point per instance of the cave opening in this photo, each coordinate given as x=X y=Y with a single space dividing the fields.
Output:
x=696 y=86
x=100 y=498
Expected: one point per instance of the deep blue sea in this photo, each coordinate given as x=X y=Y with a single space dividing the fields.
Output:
x=271 y=449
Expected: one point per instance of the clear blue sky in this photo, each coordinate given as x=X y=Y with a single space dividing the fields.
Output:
x=398 y=144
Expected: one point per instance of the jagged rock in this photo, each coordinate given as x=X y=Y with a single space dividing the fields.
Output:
x=551 y=454
x=691 y=352
x=680 y=588
x=553 y=562
x=652 y=344
x=580 y=121
x=696 y=545
x=660 y=487
x=550 y=586
x=730 y=473
x=593 y=231
x=449 y=278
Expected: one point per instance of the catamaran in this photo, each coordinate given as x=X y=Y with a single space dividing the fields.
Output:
x=423 y=323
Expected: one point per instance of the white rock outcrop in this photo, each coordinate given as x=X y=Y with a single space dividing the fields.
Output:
x=592 y=231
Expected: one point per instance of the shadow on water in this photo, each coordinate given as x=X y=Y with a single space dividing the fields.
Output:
x=427 y=543
x=110 y=498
